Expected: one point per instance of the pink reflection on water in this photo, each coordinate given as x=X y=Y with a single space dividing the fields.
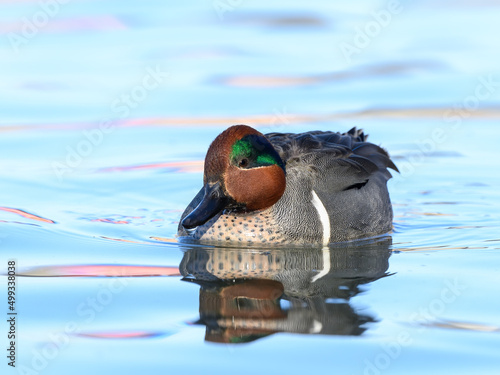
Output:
x=26 y=215
x=121 y=240
x=178 y=166
x=96 y=23
x=111 y=221
x=102 y=270
x=121 y=335
x=262 y=120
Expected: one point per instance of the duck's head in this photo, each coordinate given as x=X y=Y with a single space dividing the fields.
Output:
x=243 y=172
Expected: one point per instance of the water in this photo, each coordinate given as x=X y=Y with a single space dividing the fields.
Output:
x=107 y=112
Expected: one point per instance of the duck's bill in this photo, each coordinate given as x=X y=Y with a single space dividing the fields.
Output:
x=214 y=201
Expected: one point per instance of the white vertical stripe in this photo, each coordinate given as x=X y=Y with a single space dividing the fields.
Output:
x=316 y=327
x=323 y=217
x=326 y=264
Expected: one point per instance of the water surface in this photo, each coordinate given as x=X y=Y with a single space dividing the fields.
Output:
x=107 y=112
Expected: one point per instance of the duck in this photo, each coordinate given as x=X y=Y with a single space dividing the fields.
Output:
x=313 y=188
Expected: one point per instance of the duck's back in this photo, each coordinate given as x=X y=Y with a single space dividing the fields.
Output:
x=336 y=186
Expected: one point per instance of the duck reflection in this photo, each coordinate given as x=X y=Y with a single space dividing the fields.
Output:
x=246 y=294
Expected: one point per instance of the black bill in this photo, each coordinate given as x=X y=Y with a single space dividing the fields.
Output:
x=214 y=201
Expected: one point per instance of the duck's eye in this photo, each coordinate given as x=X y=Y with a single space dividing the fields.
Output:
x=243 y=163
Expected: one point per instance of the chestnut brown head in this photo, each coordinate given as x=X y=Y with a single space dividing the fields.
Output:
x=243 y=172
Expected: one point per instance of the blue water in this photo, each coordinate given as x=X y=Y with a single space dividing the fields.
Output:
x=107 y=110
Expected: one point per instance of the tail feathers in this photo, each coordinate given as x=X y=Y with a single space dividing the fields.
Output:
x=358 y=135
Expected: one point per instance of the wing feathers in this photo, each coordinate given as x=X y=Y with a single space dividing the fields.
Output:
x=343 y=159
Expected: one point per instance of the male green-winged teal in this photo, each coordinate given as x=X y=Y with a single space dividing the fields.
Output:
x=309 y=188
